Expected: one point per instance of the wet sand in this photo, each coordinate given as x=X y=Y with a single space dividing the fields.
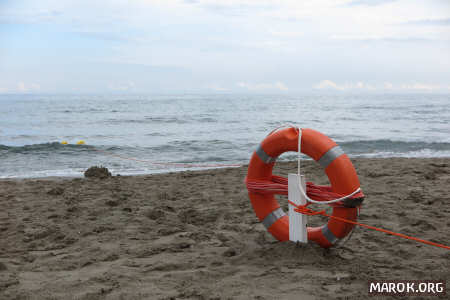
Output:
x=194 y=235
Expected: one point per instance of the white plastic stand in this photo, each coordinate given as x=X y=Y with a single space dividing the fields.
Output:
x=297 y=221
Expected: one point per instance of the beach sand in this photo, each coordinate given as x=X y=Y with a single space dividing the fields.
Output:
x=194 y=235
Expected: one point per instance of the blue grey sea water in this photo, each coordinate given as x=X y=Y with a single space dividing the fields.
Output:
x=206 y=128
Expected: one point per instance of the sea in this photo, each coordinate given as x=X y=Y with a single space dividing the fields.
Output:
x=129 y=133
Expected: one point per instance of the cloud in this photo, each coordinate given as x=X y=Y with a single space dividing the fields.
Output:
x=35 y=86
x=330 y=85
x=24 y=88
x=387 y=86
x=327 y=84
x=263 y=86
x=240 y=44
x=20 y=87
x=421 y=87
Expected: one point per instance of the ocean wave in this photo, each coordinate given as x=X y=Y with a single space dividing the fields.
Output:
x=423 y=153
x=39 y=148
x=164 y=120
x=386 y=145
x=55 y=159
x=216 y=146
x=193 y=146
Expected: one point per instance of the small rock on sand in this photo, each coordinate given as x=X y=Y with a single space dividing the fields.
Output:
x=97 y=172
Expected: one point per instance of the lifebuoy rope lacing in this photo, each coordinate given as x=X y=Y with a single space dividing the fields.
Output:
x=279 y=185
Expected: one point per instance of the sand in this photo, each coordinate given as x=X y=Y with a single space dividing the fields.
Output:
x=194 y=235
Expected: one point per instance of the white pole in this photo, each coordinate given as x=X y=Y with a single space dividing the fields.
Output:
x=297 y=221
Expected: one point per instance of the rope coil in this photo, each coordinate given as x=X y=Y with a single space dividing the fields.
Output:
x=317 y=193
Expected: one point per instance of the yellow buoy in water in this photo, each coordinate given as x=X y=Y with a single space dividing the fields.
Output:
x=64 y=142
x=80 y=142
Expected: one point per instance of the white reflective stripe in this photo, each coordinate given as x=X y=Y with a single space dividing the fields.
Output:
x=329 y=235
x=264 y=156
x=330 y=156
x=273 y=217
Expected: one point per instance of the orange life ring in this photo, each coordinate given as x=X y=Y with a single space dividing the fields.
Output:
x=338 y=167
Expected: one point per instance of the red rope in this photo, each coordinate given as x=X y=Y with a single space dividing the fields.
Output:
x=306 y=211
x=279 y=185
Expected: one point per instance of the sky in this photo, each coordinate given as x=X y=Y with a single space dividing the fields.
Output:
x=224 y=46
